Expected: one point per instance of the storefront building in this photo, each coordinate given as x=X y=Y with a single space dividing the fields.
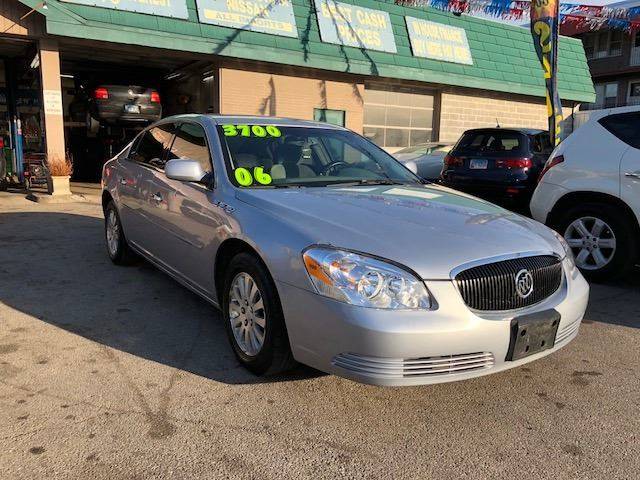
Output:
x=399 y=75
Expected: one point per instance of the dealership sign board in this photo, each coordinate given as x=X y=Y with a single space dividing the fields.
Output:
x=438 y=41
x=266 y=16
x=345 y=24
x=163 y=8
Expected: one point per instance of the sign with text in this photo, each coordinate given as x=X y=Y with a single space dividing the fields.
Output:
x=266 y=16
x=438 y=41
x=345 y=24
x=163 y=8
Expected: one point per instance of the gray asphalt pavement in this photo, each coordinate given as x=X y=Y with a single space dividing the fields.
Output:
x=120 y=373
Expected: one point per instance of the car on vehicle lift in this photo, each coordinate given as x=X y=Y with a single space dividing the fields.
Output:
x=319 y=247
x=115 y=105
x=498 y=164
x=589 y=191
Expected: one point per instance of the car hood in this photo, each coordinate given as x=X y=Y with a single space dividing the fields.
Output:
x=430 y=229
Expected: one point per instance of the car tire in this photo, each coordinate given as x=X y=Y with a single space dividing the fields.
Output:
x=117 y=247
x=617 y=227
x=271 y=355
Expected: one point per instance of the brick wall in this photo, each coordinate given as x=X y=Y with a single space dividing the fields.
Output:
x=255 y=93
x=460 y=112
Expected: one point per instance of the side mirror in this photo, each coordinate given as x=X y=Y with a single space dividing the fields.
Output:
x=411 y=165
x=185 y=170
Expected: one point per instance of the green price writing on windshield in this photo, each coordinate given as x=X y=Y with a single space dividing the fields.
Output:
x=251 y=131
x=245 y=179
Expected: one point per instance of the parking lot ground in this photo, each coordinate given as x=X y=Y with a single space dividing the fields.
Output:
x=120 y=373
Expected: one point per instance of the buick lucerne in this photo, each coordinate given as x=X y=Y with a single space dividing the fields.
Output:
x=320 y=248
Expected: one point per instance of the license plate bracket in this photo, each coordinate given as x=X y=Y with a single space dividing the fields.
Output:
x=132 y=108
x=478 y=164
x=533 y=333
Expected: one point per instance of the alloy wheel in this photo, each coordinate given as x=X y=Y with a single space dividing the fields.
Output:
x=113 y=233
x=247 y=314
x=592 y=241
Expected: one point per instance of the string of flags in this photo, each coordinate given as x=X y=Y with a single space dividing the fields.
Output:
x=581 y=17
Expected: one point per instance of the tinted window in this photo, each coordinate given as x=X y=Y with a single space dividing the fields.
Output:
x=191 y=143
x=151 y=146
x=491 y=142
x=625 y=126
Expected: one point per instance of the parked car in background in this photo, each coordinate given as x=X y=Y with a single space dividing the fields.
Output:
x=425 y=160
x=589 y=191
x=115 y=105
x=498 y=164
x=318 y=246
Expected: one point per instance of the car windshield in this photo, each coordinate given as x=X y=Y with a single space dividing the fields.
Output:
x=273 y=156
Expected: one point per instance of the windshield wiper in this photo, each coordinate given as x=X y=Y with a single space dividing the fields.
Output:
x=374 y=181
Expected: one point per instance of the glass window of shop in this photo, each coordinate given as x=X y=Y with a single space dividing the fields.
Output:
x=398 y=119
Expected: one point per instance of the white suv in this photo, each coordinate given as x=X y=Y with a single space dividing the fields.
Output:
x=589 y=191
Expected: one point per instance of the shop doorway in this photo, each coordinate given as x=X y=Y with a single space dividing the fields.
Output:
x=22 y=137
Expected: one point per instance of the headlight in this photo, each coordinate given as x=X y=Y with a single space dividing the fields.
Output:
x=567 y=250
x=364 y=281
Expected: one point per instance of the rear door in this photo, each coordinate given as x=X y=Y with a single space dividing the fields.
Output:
x=626 y=127
x=147 y=155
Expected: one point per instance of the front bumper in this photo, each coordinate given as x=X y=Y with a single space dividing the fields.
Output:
x=395 y=348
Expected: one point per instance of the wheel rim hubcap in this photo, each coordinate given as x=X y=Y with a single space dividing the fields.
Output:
x=592 y=241
x=246 y=314
x=113 y=232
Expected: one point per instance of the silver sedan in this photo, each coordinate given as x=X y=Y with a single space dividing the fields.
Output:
x=320 y=248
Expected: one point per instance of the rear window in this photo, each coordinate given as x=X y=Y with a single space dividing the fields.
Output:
x=625 y=126
x=491 y=142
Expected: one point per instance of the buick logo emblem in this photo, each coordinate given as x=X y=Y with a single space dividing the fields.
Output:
x=524 y=283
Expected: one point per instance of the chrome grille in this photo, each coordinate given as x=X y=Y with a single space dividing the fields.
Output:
x=493 y=287
x=414 y=367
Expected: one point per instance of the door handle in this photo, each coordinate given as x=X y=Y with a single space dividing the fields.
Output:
x=123 y=181
x=156 y=197
x=632 y=174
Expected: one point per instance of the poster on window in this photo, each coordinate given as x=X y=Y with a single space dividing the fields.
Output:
x=354 y=26
x=163 y=8
x=267 y=16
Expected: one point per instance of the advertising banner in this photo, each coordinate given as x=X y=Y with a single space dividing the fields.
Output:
x=163 y=8
x=353 y=26
x=266 y=16
x=544 y=29
x=438 y=41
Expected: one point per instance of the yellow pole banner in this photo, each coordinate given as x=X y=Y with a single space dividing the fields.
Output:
x=545 y=32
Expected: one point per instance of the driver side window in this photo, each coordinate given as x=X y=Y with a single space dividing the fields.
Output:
x=191 y=142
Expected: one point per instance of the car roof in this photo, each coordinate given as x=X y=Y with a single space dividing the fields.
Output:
x=253 y=120
x=605 y=112
x=526 y=131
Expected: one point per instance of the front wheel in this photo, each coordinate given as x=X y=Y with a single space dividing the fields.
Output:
x=253 y=317
x=602 y=240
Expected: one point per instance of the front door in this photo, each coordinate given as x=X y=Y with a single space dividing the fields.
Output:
x=146 y=157
x=184 y=213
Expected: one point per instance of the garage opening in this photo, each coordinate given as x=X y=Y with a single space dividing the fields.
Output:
x=110 y=93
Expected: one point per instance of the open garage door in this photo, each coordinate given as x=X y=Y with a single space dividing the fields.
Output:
x=111 y=93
